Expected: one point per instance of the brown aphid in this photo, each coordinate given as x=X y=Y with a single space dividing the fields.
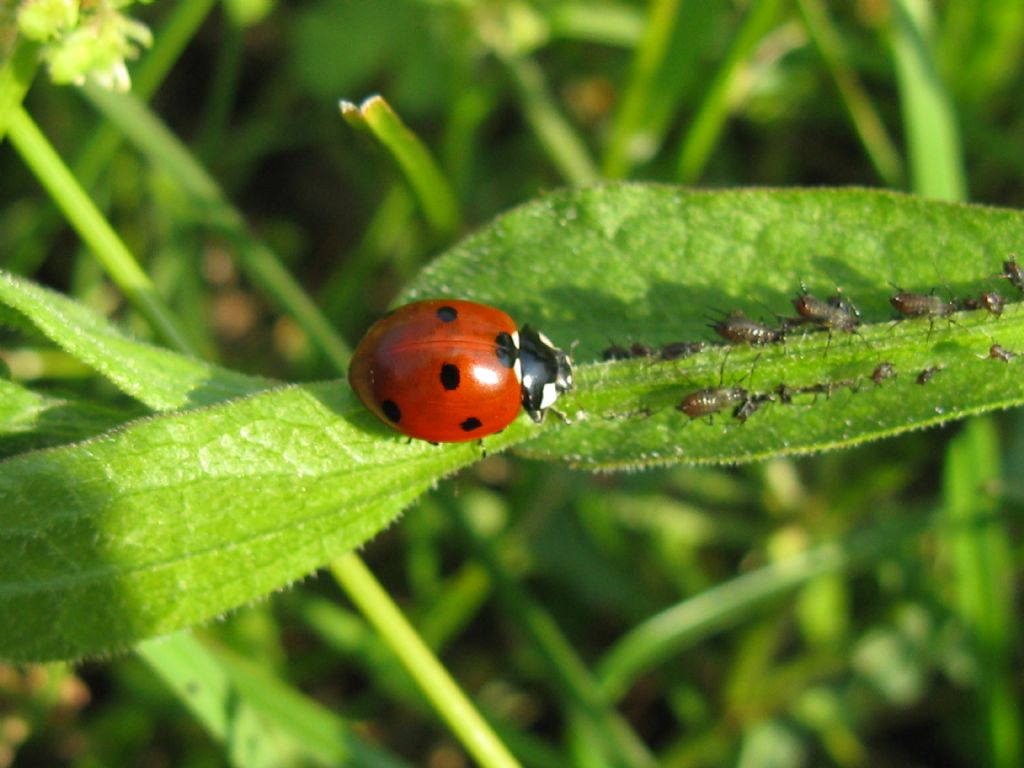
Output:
x=676 y=350
x=1013 y=272
x=993 y=302
x=927 y=374
x=836 y=314
x=999 y=352
x=636 y=349
x=883 y=371
x=921 y=305
x=737 y=328
x=705 y=402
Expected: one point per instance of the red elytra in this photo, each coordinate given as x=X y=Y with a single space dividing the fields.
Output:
x=448 y=370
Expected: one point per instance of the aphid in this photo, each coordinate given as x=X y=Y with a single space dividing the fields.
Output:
x=1013 y=272
x=786 y=393
x=448 y=371
x=705 y=402
x=836 y=314
x=615 y=352
x=993 y=302
x=750 y=406
x=989 y=300
x=921 y=305
x=740 y=329
x=927 y=374
x=637 y=349
x=999 y=352
x=883 y=371
x=679 y=349
x=826 y=388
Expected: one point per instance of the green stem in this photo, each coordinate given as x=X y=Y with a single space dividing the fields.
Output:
x=15 y=79
x=433 y=679
x=93 y=228
x=585 y=697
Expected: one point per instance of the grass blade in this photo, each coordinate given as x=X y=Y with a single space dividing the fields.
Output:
x=932 y=136
x=649 y=57
x=706 y=126
x=565 y=148
x=981 y=551
x=725 y=605
x=866 y=120
x=435 y=194
x=259 y=719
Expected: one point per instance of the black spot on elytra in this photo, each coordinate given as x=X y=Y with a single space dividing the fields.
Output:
x=391 y=410
x=470 y=424
x=450 y=376
x=507 y=352
x=447 y=314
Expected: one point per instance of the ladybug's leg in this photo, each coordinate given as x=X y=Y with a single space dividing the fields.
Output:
x=565 y=419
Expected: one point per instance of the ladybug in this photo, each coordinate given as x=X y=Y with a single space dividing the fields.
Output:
x=447 y=371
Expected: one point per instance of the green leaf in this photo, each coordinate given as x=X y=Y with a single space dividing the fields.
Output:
x=154 y=376
x=33 y=420
x=175 y=519
x=655 y=264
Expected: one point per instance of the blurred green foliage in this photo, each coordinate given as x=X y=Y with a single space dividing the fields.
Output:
x=854 y=609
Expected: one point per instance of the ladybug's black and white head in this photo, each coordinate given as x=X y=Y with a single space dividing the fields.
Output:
x=546 y=372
